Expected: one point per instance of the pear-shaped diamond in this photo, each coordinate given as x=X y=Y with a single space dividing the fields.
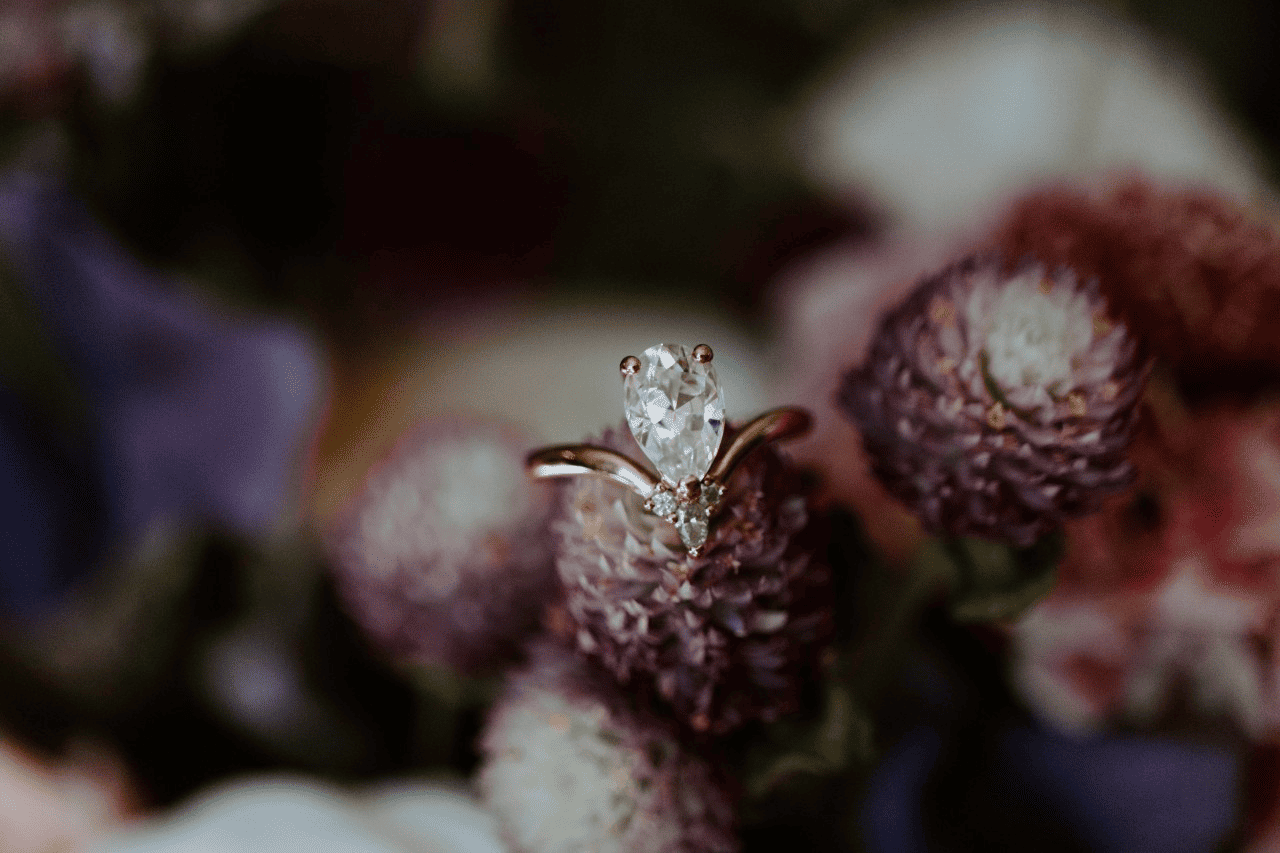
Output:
x=675 y=410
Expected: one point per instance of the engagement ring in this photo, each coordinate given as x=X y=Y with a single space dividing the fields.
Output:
x=675 y=410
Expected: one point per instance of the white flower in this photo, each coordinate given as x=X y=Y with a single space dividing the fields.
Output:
x=1035 y=336
x=568 y=770
x=444 y=554
x=1083 y=662
x=971 y=105
x=295 y=815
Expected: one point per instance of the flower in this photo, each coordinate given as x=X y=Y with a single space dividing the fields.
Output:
x=1169 y=595
x=969 y=103
x=66 y=803
x=570 y=766
x=1193 y=273
x=998 y=404
x=726 y=637
x=191 y=415
x=256 y=814
x=444 y=554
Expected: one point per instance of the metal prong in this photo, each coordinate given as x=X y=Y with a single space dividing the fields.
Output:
x=630 y=366
x=703 y=354
x=712 y=492
x=689 y=490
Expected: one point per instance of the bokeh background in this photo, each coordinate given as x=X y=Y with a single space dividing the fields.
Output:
x=245 y=243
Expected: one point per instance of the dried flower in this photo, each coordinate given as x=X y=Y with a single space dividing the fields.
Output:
x=444 y=555
x=1169 y=593
x=830 y=306
x=569 y=766
x=1193 y=274
x=726 y=637
x=998 y=405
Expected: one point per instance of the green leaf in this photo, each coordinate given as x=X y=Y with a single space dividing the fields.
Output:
x=796 y=753
x=997 y=582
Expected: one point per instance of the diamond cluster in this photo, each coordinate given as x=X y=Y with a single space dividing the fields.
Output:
x=675 y=410
x=690 y=515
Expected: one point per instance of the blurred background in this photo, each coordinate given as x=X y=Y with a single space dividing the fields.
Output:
x=245 y=243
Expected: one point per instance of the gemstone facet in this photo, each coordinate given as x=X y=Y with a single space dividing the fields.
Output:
x=675 y=411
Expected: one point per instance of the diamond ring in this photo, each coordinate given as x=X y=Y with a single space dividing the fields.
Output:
x=675 y=410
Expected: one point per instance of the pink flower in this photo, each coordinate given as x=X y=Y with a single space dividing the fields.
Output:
x=724 y=638
x=444 y=555
x=1176 y=587
x=59 y=806
x=571 y=763
x=1192 y=272
x=997 y=402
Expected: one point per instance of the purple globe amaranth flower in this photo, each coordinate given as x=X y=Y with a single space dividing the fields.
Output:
x=998 y=404
x=571 y=764
x=724 y=638
x=444 y=554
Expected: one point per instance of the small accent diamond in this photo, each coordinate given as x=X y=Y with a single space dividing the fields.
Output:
x=691 y=524
x=662 y=503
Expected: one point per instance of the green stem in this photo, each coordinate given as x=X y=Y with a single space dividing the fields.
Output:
x=888 y=635
x=966 y=572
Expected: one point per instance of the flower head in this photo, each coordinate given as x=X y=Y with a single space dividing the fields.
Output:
x=1167 y=597
x=725 y=637
x=444 y=554
x=1193 y=274
x=570 y=766
x=998 y=404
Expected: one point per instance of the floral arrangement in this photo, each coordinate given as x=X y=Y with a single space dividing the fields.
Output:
x=1032 y=403
x=981 y=553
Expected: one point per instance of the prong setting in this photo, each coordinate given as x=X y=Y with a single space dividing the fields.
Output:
x=630 y=366
x=689 y=490
x=703 y=354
